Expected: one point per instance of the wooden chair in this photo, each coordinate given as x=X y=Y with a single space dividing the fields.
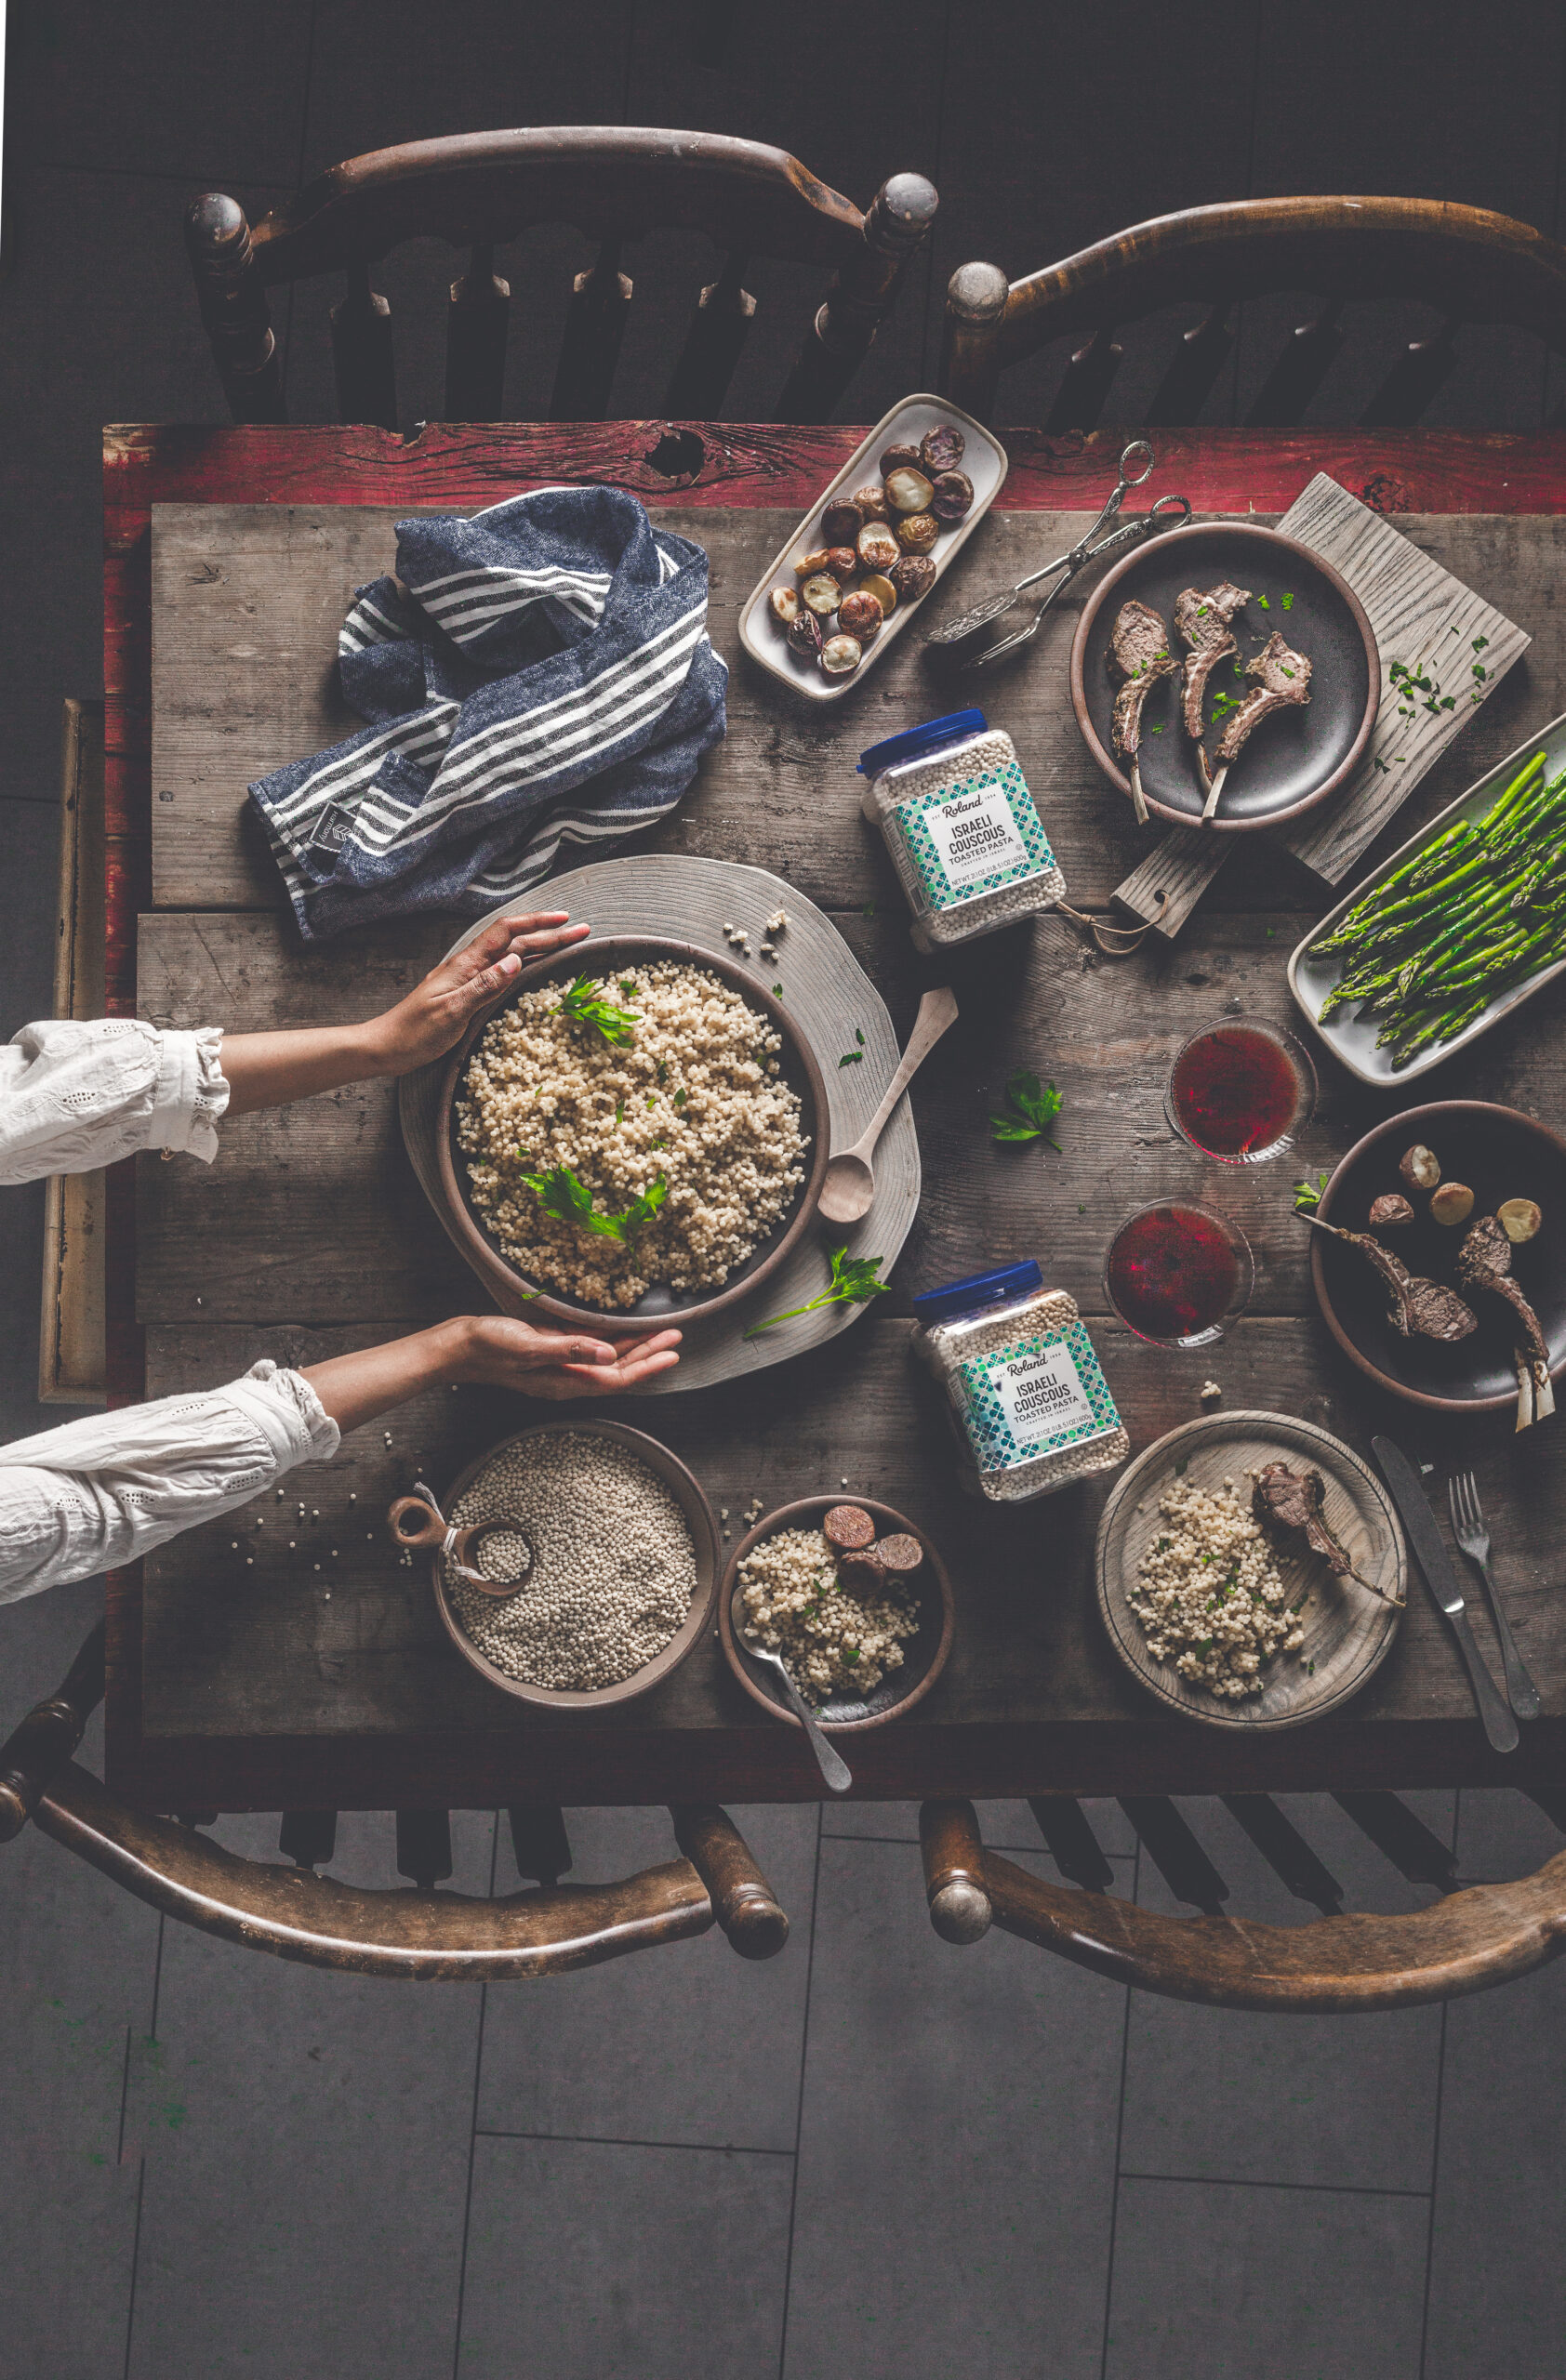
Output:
x=420 y=1934
x=1472 y=267
x=1338 y=1963
x=478 y=190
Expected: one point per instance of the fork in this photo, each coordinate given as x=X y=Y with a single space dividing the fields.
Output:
x=1468 y=1527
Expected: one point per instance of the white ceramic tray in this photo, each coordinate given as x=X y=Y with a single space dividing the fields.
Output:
x=985 y=461
x=1351 y=1039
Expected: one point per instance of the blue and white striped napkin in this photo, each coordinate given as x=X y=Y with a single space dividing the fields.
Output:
x=539 y=674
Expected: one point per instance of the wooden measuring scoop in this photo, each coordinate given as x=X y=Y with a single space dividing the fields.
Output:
x=418 y=1526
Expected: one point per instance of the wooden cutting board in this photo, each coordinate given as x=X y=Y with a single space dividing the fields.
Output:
x=1423 y=618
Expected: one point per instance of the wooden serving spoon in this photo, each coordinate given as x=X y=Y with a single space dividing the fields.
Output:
x=417 y=1524
x=849 y=1185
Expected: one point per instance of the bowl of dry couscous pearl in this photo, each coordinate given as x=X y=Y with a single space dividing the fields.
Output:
x=634 y=1134
x=859 y=1609
x=615 y=1550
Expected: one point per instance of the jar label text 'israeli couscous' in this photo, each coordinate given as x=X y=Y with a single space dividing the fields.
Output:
x=1019 y=1403
x=957 y=841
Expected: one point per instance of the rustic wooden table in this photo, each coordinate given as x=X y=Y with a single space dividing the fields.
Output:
x=248 y=1679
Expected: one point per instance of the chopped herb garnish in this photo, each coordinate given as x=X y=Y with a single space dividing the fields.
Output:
x=1263 y=601
x=627 y=986
x=678 y=1099
x=859 y=1036
x=853 y=1282
x=1308 y=1195
x=569 y=1201
x=850 y=1058
x=1030 y=1111
x=663 y=1070
x=583 y=1005
x=1479 y=644
x=619 y=1111
x=777 y=991
x=1288 y=602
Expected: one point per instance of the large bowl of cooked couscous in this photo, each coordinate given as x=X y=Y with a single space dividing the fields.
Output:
x=634 y=1134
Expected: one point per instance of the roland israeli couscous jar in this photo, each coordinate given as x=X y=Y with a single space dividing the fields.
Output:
x=962 y=829
x=1030 y=1406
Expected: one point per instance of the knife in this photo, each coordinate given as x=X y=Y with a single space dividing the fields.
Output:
x=1500 y=1726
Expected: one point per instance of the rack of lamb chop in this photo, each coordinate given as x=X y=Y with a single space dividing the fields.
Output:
x=1292 y=1503
x=1416 y=1307
x=1484 y=1262
x=1202 y=619
x=1283 y=680
x=1139 y=656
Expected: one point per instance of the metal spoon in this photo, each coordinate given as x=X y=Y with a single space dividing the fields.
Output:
x=849 y=1185
x=834 y=1770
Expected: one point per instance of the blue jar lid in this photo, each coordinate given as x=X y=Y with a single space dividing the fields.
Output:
x=914 y=740
x=980 y=1289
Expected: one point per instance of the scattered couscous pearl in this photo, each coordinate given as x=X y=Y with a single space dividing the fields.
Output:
x=233 y=1545
x=291 y=1545
x=613 y=1571
x=369 y=1537
x=352 y=1496
x=315 y=1565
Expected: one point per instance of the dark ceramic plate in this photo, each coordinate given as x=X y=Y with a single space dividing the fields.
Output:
x=924 y=1655
x=1499 y=1154
x=662 y=1304
x=1295 y=757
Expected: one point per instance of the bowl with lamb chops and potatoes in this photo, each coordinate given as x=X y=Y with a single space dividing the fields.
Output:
x=1226 y=675
x=1439 y=1258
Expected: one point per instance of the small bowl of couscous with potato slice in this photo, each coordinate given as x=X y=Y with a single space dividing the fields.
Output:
x=864 y=1640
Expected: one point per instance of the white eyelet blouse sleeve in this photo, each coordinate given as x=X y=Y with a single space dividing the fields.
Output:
x=94 y=1494
x=77 y=1095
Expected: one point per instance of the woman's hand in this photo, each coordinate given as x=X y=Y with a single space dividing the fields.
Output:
x=436 y=1011
x=488 y=1348
x=269 y=1069
x=503 y=1353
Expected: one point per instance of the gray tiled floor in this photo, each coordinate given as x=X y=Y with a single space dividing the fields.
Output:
x=907 y=2159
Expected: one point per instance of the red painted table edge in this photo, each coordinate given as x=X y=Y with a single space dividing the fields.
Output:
x=749 y=464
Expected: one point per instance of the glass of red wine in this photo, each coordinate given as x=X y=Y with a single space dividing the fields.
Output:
x=1241 y=1092
x=1179 y=1273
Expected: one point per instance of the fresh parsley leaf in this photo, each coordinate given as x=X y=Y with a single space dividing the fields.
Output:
x=568 y=1199
x=849 y=1058
x=626 y=986
x=619 y=1111
x=1288 y=602
x=583 y=1005
x=853 y=1282
x=678 y=1099
x=859 y=1036
x=1263 y=601
x=777 y=991
x=1030 y=1111
x=1479 y=644
x=1308 y=1195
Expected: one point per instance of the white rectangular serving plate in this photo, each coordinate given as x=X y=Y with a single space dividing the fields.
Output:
x=1351 y=1039
x=984 y=459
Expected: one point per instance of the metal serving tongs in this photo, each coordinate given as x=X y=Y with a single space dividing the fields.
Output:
x=1136 y=463
x=418 y=1524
